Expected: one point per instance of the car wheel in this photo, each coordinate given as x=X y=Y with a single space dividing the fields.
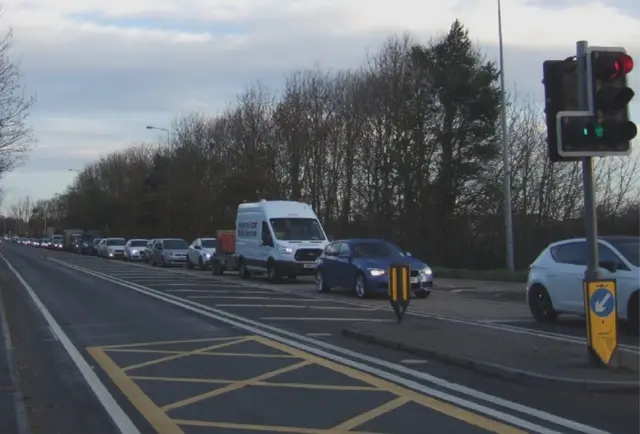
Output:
x=361 y=286
x=189 y=264
x=272 y=273
x=321 y=285
x=540 y=304
x=244 y=273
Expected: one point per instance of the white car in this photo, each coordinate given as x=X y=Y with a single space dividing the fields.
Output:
x=200 y=252
x=555 y=284
x=134 y=249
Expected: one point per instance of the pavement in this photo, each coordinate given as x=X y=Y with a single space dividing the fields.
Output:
x=112 y=347
x=536 y=361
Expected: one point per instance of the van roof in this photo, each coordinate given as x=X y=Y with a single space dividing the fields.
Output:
x=278 y=208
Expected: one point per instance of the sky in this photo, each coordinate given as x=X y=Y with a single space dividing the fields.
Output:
x=102 y=70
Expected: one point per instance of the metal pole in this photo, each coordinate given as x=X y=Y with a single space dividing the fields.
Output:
x=508 y=222
x=590 y=219
x=592 y=271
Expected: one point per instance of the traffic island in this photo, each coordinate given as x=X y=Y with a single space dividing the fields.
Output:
x=524 y=359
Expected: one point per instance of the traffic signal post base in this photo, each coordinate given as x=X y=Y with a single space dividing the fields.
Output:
x=601 y=321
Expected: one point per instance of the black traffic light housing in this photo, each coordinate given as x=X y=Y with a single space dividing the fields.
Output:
x=560 y=80
x=609 y=96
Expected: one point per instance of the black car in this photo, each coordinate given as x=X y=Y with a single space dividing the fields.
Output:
x=84 y=244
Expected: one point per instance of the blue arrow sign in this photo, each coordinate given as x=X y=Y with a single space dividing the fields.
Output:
x=602 y=302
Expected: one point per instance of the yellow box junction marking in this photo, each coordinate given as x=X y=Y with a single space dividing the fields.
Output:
x=164 y=424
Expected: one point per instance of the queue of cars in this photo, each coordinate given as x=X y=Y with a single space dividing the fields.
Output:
x=285 y=239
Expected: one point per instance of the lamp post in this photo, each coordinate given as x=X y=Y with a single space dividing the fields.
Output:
x=506 y=181
x=168 y=196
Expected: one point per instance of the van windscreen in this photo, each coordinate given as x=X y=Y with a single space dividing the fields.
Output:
x=297 y=229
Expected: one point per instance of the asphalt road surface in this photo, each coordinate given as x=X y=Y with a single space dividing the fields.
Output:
x=106 y=347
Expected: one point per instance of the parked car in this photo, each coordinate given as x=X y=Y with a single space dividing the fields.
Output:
x=95 y=248
x=148 y=250
x=84 y=245
x=112 y=248
x=134 y=249
x=200 y=252
x=169 y=251
x=556 y=278
x=362 y=264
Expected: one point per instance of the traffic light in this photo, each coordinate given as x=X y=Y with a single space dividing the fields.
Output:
x=609 y=97
x=560 y=80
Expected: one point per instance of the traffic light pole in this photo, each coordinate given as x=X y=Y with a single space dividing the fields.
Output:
x=590 y=219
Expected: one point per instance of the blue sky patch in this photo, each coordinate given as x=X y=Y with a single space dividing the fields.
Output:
x=160 y=23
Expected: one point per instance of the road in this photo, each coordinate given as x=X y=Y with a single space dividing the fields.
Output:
x=111 y=347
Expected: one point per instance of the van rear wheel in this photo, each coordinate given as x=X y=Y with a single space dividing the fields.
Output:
x=272 y=273
x=244 y=273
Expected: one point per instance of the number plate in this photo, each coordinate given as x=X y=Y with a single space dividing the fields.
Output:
x=309 y=265
x=414 y=280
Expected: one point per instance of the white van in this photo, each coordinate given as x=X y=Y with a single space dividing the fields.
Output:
x=280 y=238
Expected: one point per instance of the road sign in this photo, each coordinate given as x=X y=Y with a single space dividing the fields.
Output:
x=399 y=288
x=602 y=318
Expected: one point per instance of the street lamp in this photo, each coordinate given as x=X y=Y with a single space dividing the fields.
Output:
x=506 y=181
x=168 y=196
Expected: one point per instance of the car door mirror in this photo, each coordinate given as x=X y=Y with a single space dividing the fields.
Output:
x=330 y=237
x=610 y=266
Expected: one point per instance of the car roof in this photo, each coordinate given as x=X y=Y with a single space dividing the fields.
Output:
x=361 y=240
x=606 y=238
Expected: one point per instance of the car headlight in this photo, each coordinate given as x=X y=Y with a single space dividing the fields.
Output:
x=426 y=271
x=169 y=253
x=376 y=271
x=207 y=255
x=286 y=250
x=134 y=252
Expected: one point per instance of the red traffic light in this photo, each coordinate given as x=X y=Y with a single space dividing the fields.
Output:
x=622 y=66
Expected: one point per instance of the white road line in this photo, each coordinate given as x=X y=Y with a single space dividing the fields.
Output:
x=319 y=335
x=223 y=291
x=119 y=417
x=414 y=362
x=231 y=297
x=292 y=306
x=297 y=318
x=339 y=355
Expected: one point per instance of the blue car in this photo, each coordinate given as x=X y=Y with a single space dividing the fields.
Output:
x=362 y=264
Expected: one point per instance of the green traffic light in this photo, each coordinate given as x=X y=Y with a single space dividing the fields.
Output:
x=599 y=131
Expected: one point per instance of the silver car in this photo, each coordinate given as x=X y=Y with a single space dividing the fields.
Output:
x=148 y=250
x=134 y=249
x=200 y=252
x=112 y=248
x=169 y=251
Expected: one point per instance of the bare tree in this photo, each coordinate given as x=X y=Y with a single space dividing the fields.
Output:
x=16 y=137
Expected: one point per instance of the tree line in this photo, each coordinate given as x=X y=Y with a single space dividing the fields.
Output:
x=406 y=147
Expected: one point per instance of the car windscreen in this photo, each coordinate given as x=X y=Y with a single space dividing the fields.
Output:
x=209 y=244
x=376 y=250
x=175 y=244
x=116 y=242
x=630 y=249
x=138 y=243
x=297 y=229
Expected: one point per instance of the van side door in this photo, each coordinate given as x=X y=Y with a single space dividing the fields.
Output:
x=266 y=244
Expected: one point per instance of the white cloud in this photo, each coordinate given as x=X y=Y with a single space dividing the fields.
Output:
x=103 y=69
